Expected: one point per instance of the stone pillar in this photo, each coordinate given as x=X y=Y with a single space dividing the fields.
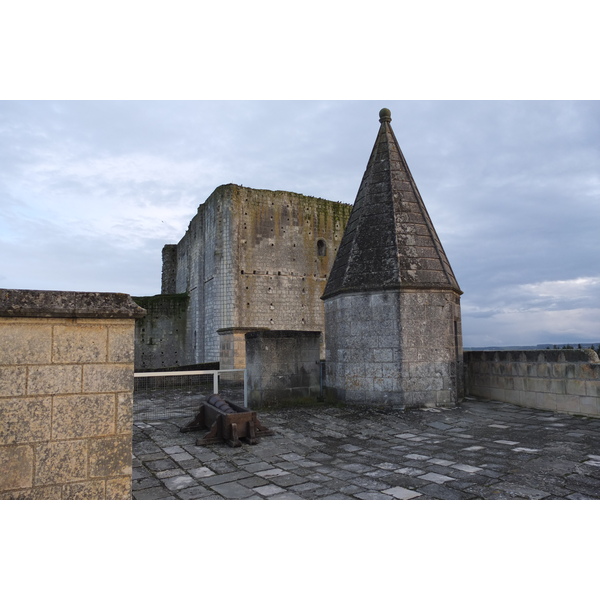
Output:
x=232 y=346
x=282 y=367
x=66 y=394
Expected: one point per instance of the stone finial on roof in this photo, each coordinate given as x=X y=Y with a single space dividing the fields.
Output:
x=390 y=241
x=385 y=114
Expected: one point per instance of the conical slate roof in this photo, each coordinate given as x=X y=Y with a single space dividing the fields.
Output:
x=390 y=241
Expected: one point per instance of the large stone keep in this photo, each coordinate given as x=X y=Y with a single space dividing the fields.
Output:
x=392 y=302
x=250 y=260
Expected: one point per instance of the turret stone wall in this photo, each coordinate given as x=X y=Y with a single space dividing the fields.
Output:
x=394 y=349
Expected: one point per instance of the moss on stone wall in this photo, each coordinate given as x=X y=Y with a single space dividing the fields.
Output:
x=161 y=334
x=161 y=300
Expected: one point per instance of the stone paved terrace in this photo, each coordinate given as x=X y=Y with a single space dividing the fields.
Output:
x=479 y=450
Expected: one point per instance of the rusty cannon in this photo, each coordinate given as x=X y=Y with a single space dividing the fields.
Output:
x=226 y=421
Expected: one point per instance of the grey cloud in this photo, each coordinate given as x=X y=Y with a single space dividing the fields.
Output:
x=512 y=187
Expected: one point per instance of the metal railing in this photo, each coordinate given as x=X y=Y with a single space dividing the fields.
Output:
x=163 y=395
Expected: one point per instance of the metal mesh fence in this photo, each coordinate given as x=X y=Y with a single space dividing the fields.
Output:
x=165 y=396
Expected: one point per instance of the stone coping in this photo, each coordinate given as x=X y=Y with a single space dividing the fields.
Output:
x=281 y=333
x=392 y=287
x=225 y=330
x=551 y=356
x=80 y=305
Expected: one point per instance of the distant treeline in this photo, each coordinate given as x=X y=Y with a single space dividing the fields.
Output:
x=595 y=347
x=572 y=347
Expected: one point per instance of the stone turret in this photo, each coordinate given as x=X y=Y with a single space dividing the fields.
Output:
x=392 y=302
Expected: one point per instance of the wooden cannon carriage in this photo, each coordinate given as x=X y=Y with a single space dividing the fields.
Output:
x=226 y=421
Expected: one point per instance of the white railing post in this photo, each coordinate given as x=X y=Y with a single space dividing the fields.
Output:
x=215 y=382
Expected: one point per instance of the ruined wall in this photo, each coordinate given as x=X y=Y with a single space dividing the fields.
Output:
x=253 y=259
x=394 y=348
x=558 y=380
x=203 y=256
x=169 y=269
x=286 y=246
x=66 y=394
x=282 y=367
x=161 y=335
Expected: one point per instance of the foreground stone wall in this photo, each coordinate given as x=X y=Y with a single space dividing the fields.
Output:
x=558 y=380
x=282 y=367
x=66 y=394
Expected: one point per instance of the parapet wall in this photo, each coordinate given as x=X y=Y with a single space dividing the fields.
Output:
x=558 y=380
x=66 y=394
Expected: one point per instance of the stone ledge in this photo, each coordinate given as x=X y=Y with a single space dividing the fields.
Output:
x=279 y=334
x=80 y=305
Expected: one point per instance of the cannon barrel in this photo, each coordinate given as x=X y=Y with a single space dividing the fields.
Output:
x=221 y=404
x=226 y=421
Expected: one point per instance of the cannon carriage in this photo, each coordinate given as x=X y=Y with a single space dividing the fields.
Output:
x=226 y=422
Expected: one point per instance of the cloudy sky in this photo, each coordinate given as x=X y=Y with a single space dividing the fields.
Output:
x=91 y=191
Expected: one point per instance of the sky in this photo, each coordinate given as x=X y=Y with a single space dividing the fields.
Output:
x=117 y=120
x=90 y=192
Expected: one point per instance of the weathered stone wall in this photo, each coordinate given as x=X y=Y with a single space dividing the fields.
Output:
x=200 y=274
x=287 y=244
x=233 y=347
x=161 y=335
x=66 y=394
x=394 y=348
x=432 y=350
x=282 y=367
x=254 y=259
x=558 y=380
x=169 y=269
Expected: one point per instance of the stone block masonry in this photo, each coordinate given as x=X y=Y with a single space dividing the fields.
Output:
x=250 y=259
x=392 y=302
x=66 y=394
x=394 y=348
x=565 y=381
x=283 y=367
x=233 y=347
x=162 y=334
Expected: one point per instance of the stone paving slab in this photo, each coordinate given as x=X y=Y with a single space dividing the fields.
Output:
x=478 y=450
